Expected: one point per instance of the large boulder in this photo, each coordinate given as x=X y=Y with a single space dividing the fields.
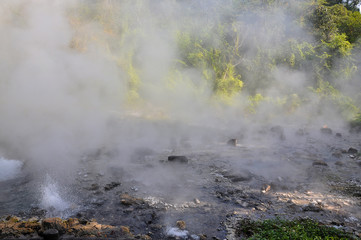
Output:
x=178 y=159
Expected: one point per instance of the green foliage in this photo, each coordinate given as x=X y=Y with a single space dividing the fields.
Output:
x=339 y=45
x=356 y=122
x=283 y=229
x=344 y=104
x=254 y=102
x=215 y=63
x=295 y=54
x=235 y=51
x=351 y=5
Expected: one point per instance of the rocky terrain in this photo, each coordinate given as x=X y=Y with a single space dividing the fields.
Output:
x=201 y=192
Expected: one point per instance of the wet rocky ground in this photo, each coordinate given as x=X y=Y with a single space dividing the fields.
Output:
x=198 y=192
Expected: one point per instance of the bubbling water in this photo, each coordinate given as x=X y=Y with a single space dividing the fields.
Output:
x=53 y=199
x=9 y=169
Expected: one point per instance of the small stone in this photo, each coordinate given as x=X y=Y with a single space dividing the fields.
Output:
x=232 y=142
x=338 y=135
x=312 y=208
x=111 y=186
x=125 y=229
x=51 y=234
x=326 y=130
x=266 y=188
x=181 y=225
x=128 y=200
x=352 y=150
x=319 y=163
x=196 y=201
x=203 y=237
x=178 y=159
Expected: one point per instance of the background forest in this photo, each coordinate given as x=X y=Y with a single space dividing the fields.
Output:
x=299 y=57
x=279 y=53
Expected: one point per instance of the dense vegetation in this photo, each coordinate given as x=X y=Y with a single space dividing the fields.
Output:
x=282 y=229
x=283 y=53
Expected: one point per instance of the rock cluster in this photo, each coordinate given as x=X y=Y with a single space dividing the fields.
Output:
x=53 y=228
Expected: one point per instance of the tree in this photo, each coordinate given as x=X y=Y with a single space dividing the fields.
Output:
x=352 y=5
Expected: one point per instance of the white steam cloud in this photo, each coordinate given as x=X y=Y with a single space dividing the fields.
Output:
x=61 y=97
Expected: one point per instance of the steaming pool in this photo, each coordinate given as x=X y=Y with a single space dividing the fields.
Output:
x=308 y=176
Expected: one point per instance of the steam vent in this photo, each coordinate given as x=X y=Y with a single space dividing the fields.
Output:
x=180 y=119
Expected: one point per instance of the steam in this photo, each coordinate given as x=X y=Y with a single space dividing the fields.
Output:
x=54 y=102
x=68 y=84
x=9 y=169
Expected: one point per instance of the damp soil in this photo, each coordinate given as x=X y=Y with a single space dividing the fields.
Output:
x=272 y=174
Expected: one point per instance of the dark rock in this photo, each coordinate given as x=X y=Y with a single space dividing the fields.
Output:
x=319 y=163
x=51 y=234
x=352 y=150
x=338 y=135
x=232 y=142
x=326 y=130
x=312 y=208
x=111 y=185
x=357 y=194
x=54 y=223
x=178 y=159
x=35 y=211
x=278 y=131
x=83 y=221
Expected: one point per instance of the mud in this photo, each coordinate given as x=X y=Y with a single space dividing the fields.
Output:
x=287 y=175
